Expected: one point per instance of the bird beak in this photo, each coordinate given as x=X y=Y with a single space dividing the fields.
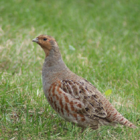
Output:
x=35 y=40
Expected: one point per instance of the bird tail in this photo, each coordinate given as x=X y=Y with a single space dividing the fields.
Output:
x=114 y=116
x=122 y=120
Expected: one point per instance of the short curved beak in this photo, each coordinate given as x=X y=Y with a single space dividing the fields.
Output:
x=35 y=40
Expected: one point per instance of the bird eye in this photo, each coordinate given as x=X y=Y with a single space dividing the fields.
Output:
x=45 y=39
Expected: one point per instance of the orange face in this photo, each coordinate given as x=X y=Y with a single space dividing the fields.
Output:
x=46 y=42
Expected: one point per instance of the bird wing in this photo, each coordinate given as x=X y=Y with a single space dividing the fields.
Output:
x=79 y=98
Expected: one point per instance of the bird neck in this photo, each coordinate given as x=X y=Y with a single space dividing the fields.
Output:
x=54 y=62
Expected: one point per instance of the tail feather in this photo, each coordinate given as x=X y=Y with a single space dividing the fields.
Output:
x=121 y=120
x=114 y=116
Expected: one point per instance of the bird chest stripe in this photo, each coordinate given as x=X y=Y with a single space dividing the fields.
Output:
x=56 y=96
x=83 y=119
x=50 y=90
x=61 y=104
x=72 y=107
x=55 y=105
x=81 y=115
x=66 y=108
x=79 y=105
x=66 y=99
x=53 y=90
x=51 y=100
x=59 y=83
x=62 y=111
x=58 y=90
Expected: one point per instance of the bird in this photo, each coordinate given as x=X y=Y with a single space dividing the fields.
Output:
x=71 y=96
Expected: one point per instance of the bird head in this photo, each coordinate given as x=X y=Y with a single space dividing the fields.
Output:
x=46 y=42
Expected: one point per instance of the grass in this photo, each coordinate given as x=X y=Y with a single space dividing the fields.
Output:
x=106 y=38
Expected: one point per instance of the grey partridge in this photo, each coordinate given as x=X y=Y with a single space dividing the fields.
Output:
x=72 y=97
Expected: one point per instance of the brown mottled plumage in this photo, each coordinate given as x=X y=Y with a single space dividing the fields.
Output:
x=73 y=97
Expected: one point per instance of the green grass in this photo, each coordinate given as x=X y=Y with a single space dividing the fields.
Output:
x=106 y=38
